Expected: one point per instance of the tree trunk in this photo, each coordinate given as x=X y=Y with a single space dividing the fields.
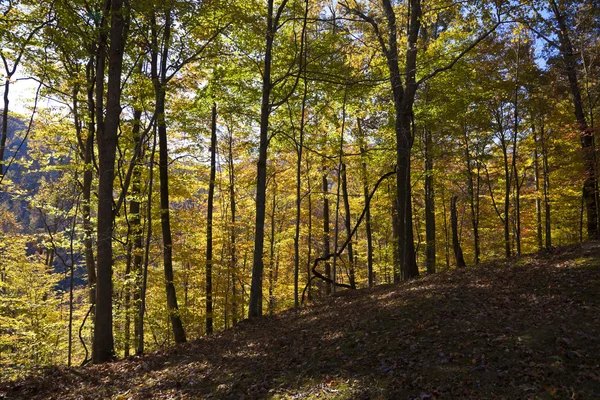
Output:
x=209 y=221
x=546 y=173
x=458 y=254
x=336 y=232
x=403 y=96
x=103 y=348
x=299 y=149
x=430 y=252
x=446 y=235
x=127 y=299
x=297 y=222
x=538 y=200
x=4 y=134
x=326 y=246
x=136 y=226
x=395 y=237
x=233 y=266
x=160 y=86
x=507 y=186
x=472 y=198
x=590 y=185
x=255 y=306
x=517 y=187
x=272 y=277
x=348 y=226
x=336 y=229
x=365 y=182
x=88 y=177
x=309 y=239
x=142 y=309
x=134 y=240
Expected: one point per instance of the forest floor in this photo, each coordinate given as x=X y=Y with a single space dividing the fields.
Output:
x=524 y=328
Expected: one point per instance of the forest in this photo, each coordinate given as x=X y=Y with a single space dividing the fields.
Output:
x=170 y=168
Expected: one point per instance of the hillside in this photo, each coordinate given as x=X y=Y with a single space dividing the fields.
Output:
x=525 y=328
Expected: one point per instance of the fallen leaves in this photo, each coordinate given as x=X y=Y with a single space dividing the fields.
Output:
x=501 y=330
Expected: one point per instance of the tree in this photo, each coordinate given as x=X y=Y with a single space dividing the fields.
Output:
x=404 y=87
x=159 y=79
x=209 y=221
x=267 y=105
x=551 y=21
x=19 y=28
x=458 y=254
x=107 y=133
x=365 y=183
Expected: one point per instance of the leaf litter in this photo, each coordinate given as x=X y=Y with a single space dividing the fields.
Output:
x=523 y=328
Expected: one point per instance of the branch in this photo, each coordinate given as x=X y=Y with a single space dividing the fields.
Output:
x=29 y=126
x=369 y=20
x=278 y=15
x=195 y=55
x=134 y=159
x=22 y=49
x=487 y=174
x=462 y=53
x=348 y=239
x=542 y=36
x=301 y=58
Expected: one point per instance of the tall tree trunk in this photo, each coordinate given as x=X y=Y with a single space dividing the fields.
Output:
x=538 y=200
x=136 y=227
x=233 y=265
x=590 y=185
x=517 y=187
x=127 y=299
x=298 y=209
x=430 y=251
x=396 y=237
x=336 y=229
x=209 y=221
x=546 y=173
x=142 y=309
x=507 y=187
x=472 y=198
x=4 y=135
x=134 y=240
x=299 y=149
x=458 y=254
x=446 y=235
x=103 y=347
x=348 y=225
x=404 y=96
x=326 y=246
x=272 y=275
x=365 y=183
x=160 y=86
x=255 y=306
x=309 y=239
x=71 y=285
x=88 y=153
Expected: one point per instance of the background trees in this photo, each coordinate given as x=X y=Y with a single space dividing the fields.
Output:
x=286 y=194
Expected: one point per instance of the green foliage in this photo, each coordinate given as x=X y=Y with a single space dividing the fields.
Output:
x=31 y=323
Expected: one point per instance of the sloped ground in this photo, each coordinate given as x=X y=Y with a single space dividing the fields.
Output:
x=528 y=328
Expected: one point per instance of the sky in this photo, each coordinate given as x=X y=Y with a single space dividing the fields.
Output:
x=22 y=94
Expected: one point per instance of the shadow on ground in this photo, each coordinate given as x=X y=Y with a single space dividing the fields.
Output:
x=524 y=328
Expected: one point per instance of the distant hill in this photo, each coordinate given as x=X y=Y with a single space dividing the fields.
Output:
x=23 y=173
x=524 y=328
x=17 y=150
x=25 y=179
